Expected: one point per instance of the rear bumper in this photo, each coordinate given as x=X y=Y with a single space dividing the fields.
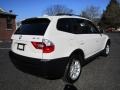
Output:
x=51 y=68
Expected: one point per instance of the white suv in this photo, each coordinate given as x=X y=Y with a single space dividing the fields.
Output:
x=57 y=45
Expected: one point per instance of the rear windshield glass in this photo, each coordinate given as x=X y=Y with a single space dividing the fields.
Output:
x=33 y=26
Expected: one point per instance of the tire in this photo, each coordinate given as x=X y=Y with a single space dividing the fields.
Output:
x=73 y=69
x=106 y=51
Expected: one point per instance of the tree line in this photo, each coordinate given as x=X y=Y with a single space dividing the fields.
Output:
x=109 y=18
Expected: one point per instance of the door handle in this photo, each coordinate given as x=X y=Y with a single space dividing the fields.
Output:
x=82 y=43
x=71 y=39
x=97 y=40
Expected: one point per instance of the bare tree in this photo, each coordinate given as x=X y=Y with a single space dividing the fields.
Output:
x=57 y=9
x=91 y=12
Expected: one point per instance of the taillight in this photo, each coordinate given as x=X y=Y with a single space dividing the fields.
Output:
x=38 y=45
x=46 y=46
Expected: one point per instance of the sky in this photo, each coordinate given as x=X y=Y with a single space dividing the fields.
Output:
x=32 y=8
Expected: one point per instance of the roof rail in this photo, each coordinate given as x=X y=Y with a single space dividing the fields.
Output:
x=60 y=14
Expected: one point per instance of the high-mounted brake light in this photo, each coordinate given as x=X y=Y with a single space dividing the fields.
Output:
x=46 y=46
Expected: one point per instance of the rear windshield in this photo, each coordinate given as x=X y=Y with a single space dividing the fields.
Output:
x=33 y=26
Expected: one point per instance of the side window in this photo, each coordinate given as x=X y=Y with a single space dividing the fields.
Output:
x=64 y=24
x=93 y=28
x=77 y=25
x=85 y=29
x=89 y=28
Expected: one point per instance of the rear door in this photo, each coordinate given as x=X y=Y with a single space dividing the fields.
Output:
x=86 y=39
x=31 y=31
x=98 y=36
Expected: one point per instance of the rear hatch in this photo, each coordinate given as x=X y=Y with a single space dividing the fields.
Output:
x=28 y=35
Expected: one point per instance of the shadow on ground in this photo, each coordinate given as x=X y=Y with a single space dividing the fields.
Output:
x=70 y=87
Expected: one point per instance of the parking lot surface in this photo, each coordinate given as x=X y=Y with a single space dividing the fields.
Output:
x=103 y=73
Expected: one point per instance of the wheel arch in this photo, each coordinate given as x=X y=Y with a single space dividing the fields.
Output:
x=109 y=42
x=78 y=52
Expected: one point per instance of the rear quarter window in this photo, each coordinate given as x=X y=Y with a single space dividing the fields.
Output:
x=33 y=26
x=65 y=25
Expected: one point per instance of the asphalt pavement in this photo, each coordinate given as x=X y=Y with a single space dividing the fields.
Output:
x=103 y=73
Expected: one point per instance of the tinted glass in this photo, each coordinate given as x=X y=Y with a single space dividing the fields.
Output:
x=33 y=27
x=77 y=26
x=88 y=27
x=64 y=24
x=84 y=27
x=93 y=28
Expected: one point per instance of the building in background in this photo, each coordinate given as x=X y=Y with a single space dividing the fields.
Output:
x=7 y=24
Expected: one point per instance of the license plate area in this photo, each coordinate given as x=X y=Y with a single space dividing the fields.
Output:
x=21 y=46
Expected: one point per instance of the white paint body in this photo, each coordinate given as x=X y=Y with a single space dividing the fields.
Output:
x=65 y=43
